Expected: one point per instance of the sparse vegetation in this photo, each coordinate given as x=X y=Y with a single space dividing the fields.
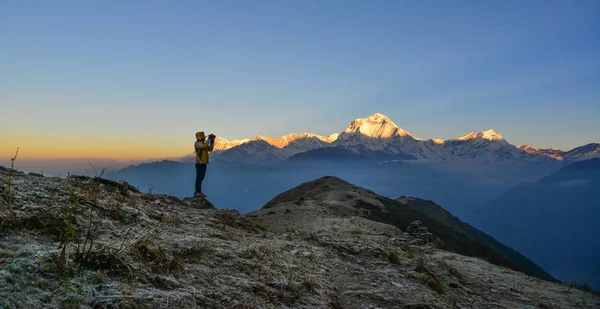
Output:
x=7 y=191
x=84 y=252
x=420 y=264
x=69 y=234
x=333 y=301
x=452 y=270
x=408 y=250
x=582 y=286
x=390 y=254
x=428 y=276
x=393 y=257
x=312 y=237
x=309 y=285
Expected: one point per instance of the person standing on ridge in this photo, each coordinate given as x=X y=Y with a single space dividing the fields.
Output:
x=202 y=148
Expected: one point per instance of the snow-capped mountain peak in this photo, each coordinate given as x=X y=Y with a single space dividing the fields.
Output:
x=329 y=139
x=528 y=148
x=376 y=126
x=290 y=138
x=224 y=144
x=469 y=136
x=490 y=135
x=585 y=152
x=306 y=140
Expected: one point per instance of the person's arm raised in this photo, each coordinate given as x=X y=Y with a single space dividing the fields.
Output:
x=201 y=146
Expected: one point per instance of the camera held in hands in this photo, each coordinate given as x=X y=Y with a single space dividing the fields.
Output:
x=211 y=139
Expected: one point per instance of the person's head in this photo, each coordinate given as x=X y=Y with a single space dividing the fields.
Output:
x=200 y=136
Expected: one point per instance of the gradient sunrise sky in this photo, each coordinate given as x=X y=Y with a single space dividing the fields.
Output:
x=137 y=79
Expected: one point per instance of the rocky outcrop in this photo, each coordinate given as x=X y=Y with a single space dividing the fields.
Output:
x=198 y=202
x=421 y=233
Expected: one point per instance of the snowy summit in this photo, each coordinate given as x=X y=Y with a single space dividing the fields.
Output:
x=376 y=126
x=490 y=135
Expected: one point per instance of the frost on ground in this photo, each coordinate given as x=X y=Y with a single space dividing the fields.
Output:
x=90 y=243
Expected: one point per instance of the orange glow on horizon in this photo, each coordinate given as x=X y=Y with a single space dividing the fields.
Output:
x=73 y=147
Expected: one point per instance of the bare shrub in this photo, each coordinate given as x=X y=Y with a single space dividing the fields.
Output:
x=7 y=192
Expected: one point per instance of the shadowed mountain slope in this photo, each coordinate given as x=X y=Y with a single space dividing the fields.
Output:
x=554 y=221
x=439 y=214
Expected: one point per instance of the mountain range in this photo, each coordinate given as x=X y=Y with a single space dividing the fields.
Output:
x=377 y=137
x=585 y=152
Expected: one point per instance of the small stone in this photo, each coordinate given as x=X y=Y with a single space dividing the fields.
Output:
x=388 y=299
x=453 y=285
x=355 y=249
x=398 y=240
x=156 y=202
x=470 y=300
x=396 y=284
x=494 y=291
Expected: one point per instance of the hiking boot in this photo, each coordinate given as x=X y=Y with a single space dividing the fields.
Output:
x=199 y=194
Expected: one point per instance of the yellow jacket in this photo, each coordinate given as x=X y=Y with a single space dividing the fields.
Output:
x=202 y=149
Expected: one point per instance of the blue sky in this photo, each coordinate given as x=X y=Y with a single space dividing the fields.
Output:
x=154 y=72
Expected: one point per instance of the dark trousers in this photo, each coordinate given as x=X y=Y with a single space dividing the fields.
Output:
x=200 y=172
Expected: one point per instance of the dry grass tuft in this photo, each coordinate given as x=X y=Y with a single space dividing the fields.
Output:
x=408 y=251
x=333 y=301
x=390 y=254
x=427 y=276
x=452 y=270
x=420 y=264
x=309 y=285
x=547 y=306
